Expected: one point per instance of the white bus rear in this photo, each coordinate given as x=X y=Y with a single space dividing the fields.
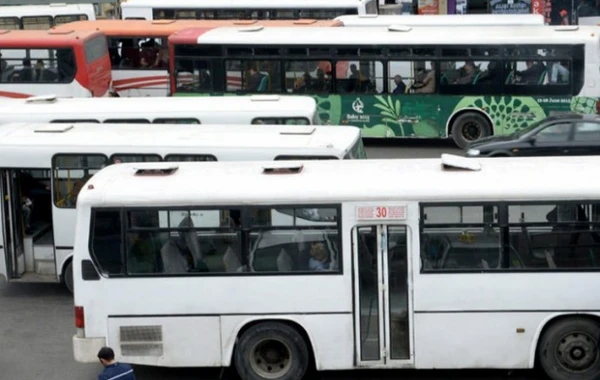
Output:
x=44 y=16
x=253 y=109
x=49 y=163
x=418 y=263
x=245 y=9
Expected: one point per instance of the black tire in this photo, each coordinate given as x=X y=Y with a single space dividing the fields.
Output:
x=568 y=350
x=273 y=351
x=500 y=155
x=68 y=276
x=469 y=127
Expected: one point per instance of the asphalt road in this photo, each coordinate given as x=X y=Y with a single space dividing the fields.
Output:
x=36 y=325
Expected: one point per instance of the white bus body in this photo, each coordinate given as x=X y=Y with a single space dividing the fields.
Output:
x=44 y=16
x=432 y=264
x=238 y=9
x=443 y=20
x=50 y=162
x=252 y=109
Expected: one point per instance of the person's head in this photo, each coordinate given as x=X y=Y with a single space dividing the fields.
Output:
x=320 y=74
x=469 y=67
x=397 y=79
x=318 y=251
x=26 y=62
x=106 y=355
x=353 y=68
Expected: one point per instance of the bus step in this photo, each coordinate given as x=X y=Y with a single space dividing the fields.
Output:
x=34 y=277
x=45 y=268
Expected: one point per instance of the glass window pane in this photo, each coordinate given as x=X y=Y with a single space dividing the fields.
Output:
x=126 y=158
x=70 y=173
x=554 y=133
x=359 y=76
x=308 y=76
x=106 y=241
x=587 y=132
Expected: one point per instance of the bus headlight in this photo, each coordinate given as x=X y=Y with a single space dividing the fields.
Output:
x=473 y=152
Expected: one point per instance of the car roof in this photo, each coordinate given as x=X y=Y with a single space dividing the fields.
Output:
x=572 y=116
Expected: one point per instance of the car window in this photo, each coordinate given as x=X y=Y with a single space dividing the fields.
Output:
x=554 y=133
x=587 y=131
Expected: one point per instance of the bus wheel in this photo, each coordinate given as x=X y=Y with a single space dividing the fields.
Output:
x=271 y=350
x=68 y=276
x=569 y=350
x=469 y=127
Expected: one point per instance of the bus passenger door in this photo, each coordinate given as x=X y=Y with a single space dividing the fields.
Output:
x=12 y=226
x=382 y=301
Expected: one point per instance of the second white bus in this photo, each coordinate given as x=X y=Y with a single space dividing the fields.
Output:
x=265 y=109
x=245 y=9
x=49 y=163
x=44 y=16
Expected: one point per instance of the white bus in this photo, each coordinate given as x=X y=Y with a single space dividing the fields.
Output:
x=443 y=20
x=44 y=16
x=253 y=109
x=48 y=163
x=415 y=263
x=244 y=9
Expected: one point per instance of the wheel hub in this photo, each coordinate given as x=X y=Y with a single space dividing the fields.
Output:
x=271 y=358
x=471 y=131
x=577 y=351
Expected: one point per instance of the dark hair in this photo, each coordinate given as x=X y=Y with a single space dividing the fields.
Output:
x=106 y=353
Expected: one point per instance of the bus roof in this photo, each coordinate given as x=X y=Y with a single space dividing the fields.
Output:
x=192 y=35
x=33 y=145
x=87 y=108
x=442 y=20
x=162 y=28
x=406 y=35
x=506 y=179
x=253 y=4
x=42 y=38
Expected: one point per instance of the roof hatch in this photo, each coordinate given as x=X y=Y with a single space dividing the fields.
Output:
x=282 y=168
x=454 y=162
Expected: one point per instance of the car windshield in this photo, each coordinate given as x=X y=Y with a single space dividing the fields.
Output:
x=527 y=129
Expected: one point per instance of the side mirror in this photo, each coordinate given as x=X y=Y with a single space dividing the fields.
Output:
x=532 y=140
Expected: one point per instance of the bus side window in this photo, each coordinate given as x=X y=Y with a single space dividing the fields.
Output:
x=106 y=241
x=70 y=172
x=66 y=65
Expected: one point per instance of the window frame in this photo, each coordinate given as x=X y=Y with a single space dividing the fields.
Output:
x=53 y=169
x=244 y=230
x=504 y=225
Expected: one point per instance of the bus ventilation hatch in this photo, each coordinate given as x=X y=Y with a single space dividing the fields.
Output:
x=156 y=170
x=454 y=162
x=282 y=168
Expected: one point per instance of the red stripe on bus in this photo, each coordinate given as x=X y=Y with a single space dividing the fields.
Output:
x=117 y=82
x=16 y=95
x=142 y=85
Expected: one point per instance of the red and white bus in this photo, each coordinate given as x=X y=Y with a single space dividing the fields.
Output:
x=139 y=53
x=65 y=63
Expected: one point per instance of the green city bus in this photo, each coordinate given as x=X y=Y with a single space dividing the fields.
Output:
x=462 y=82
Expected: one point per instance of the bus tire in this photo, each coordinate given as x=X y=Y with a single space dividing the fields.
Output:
x=569 y=349
x=271 y=350
x=68 y=276
x=469 y=127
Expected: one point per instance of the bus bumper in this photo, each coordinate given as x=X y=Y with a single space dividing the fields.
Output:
x=86 y=350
